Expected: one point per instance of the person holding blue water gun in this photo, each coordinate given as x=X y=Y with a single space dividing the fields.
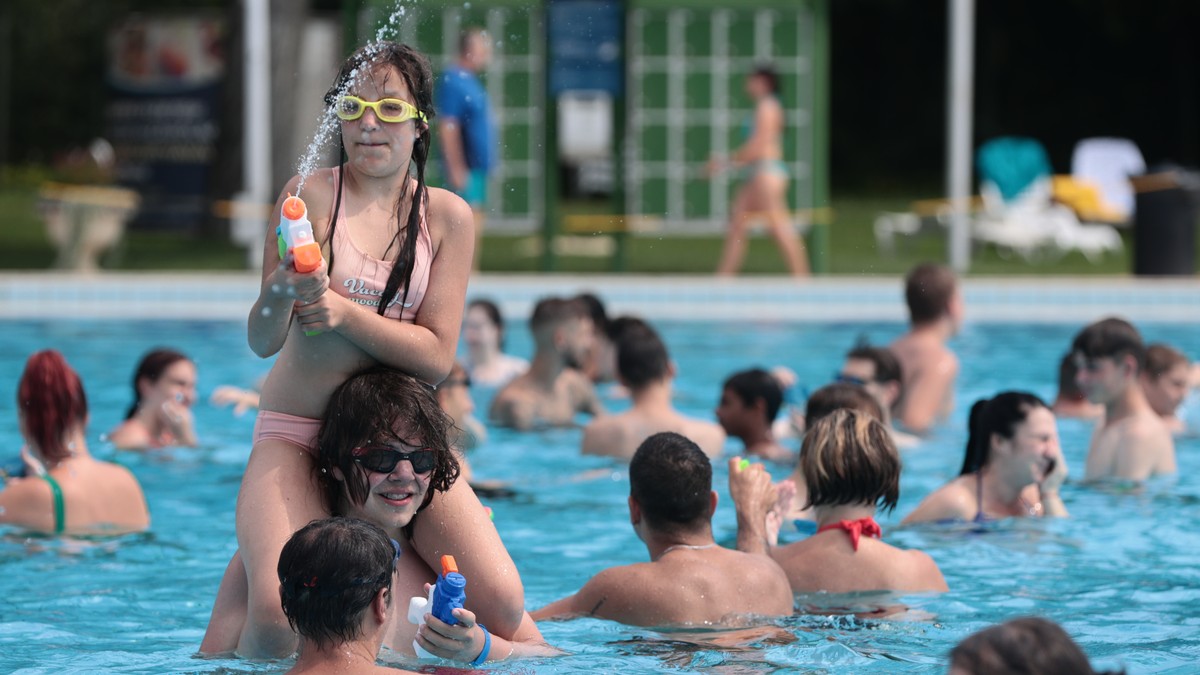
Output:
x=389 y=289
x=385 y=456
x=64 y=489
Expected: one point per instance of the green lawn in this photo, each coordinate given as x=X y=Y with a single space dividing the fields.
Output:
x=23 y=245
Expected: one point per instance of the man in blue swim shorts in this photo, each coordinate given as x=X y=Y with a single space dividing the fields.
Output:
x=467 y=129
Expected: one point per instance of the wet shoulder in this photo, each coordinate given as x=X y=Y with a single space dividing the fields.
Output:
x=449 y=216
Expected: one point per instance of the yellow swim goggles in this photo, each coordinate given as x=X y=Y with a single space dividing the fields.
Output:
x=350 y=108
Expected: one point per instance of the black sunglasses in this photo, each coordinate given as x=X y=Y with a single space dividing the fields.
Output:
x=849 y=379
x=383 y=457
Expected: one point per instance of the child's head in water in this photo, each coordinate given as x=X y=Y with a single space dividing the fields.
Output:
x=331 y=573
x=384 y=445
x=1027 y=645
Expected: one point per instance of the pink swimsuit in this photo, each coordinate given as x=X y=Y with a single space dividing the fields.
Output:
x=361 y=278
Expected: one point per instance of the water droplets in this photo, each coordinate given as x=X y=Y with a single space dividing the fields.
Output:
x=266 y=311
x=328 y=125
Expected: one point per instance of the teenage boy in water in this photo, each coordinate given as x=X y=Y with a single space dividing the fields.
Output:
x=935 y=308
x=1132 y=443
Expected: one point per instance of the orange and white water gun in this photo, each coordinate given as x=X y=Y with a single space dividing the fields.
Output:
x=295 y=235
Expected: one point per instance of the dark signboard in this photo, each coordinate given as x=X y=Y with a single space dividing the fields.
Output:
x=164 y=77
x=585 y=45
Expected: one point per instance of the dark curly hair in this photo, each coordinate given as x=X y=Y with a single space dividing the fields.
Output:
x=366 y=408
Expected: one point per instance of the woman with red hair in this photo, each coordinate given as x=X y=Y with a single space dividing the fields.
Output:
x=66 y=491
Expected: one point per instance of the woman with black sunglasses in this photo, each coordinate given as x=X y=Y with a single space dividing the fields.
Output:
x=384 y=456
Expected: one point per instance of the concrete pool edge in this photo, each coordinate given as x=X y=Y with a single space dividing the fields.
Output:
x=229 y=295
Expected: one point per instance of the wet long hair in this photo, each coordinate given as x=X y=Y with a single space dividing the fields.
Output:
x=366 y=408
x=418 y=77
x=151 y=367
x=50 y=396
x=998 y=416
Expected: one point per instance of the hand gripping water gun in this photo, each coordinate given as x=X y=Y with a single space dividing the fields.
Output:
x=449 y=592
x=295 y=235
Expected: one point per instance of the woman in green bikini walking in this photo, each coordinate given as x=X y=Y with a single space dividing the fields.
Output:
x=763 y=190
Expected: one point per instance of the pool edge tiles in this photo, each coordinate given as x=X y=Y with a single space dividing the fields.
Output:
x=229 y=295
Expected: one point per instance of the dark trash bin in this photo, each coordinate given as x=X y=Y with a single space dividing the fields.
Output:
x=1164 y=226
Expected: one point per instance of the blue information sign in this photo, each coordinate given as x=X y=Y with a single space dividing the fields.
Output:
x=585 y=45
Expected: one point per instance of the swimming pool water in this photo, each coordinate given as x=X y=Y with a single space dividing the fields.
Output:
x=1121 y=574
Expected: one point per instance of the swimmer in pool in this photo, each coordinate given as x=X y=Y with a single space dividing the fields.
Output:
x=385 y=457
x=690 y=580
x=1013 y=466
x=1165 y=383
x=646 y=370
x=600 y=364
x=1071 y=402
x=878 y=370
x=335 y=582
x=483 y=335
x=553 y=390
x=750 y=401
x=65 y=490
x=851 y=468
x=1132 y=443
x=935 y=308
x=1026 y=645
x=793 y=492
x=391 y=288
x=164 y=390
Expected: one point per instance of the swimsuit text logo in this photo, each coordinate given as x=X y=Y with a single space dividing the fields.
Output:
x=360 y=287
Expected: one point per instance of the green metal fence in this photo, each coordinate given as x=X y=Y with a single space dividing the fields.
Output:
x=514 y=81
x=685 y=64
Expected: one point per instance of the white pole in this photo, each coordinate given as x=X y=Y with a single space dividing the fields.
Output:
x=249 y=225
x=960 y=76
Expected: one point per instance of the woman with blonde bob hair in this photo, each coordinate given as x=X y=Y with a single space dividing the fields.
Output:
x=851 y=469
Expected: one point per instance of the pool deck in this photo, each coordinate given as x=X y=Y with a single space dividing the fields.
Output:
x=228 y=296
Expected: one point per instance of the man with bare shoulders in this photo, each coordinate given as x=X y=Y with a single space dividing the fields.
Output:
x=690 y=580
x=750 y=401
x=935 y=308
x=553 y=390
x=645 y=368
x=1132 y=443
